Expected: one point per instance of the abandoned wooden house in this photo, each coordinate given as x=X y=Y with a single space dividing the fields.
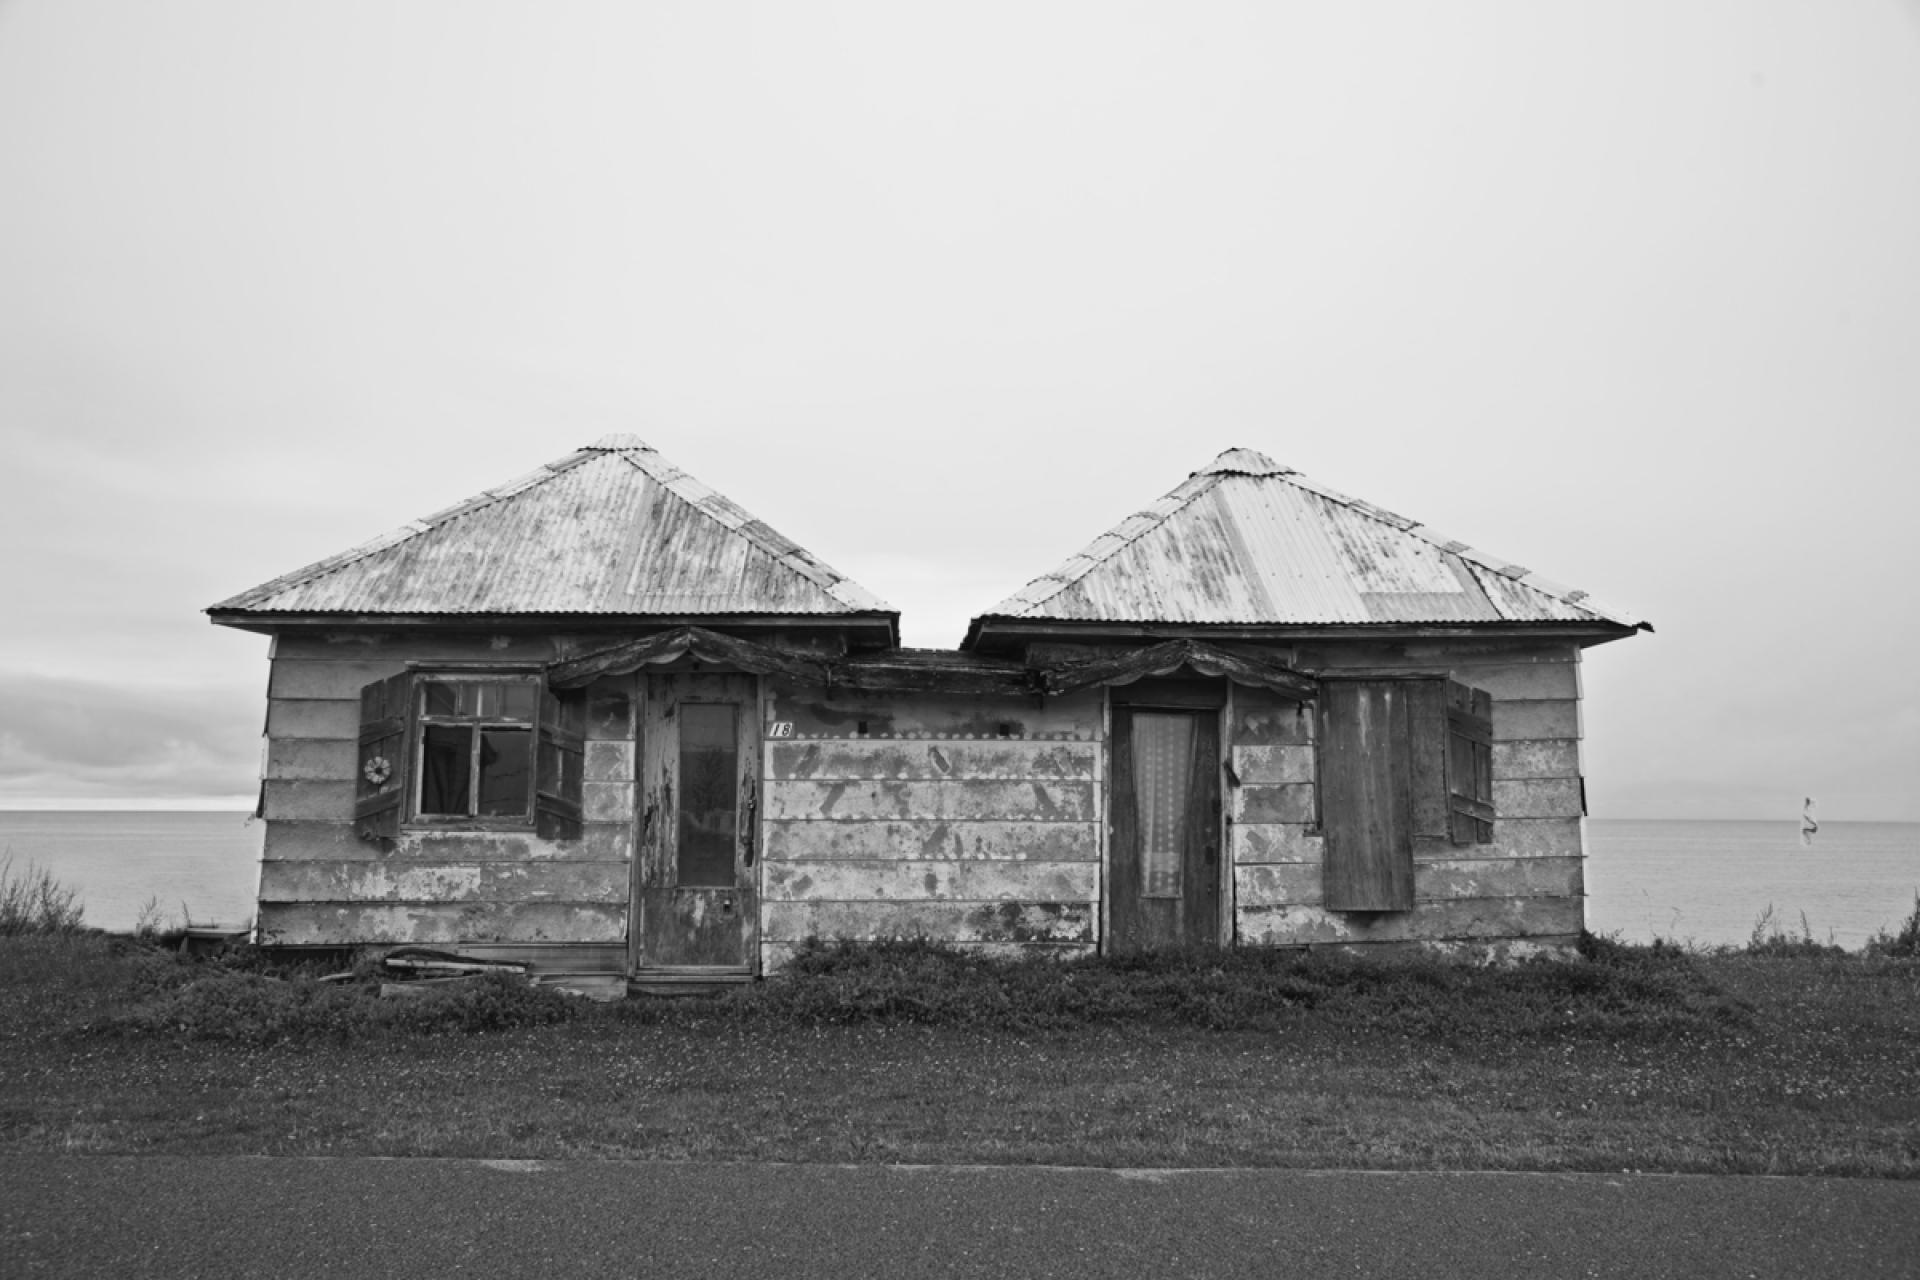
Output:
x=603 y=721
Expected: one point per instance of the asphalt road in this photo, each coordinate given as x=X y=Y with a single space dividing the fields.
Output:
x=250 y=1216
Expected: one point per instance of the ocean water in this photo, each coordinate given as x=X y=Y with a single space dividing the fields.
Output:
x=1704 y=882
x=1710 y=882
x=121 y=861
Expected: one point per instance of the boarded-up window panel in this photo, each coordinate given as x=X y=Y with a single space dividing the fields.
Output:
x=382 y=766
x=560 y=764
x=1367 y=796
x=1469 y=758
x=1427 y=759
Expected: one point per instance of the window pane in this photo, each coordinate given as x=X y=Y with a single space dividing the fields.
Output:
x=442 y=699
x=517 y=702
x=446 y=757
x=1162 y=775
x=709 y=782
x=505 y=782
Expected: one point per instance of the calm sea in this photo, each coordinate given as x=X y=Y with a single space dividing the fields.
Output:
x=1706 y=882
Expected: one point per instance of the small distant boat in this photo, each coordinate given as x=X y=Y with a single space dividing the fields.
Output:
x=1808 y=824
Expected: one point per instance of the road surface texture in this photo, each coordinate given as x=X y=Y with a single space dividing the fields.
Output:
x=249 y=1216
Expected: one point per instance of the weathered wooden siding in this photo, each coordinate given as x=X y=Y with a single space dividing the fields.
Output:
x=509 y=891
x=971 y=820
x=1527 y=884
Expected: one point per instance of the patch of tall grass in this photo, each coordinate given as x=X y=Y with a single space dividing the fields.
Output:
x=32 y=901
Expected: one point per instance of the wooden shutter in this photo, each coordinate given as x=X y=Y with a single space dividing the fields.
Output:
x=1469 y=761
x=560 y=764
x=1366 y=786
x=382 y=766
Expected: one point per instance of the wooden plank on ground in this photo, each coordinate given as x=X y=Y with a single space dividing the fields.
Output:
x=932 y=839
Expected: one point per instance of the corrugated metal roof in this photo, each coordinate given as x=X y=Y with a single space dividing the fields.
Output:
x=1246 y=540
x=613 y=528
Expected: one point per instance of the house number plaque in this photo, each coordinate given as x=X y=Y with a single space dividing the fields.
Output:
x=780 y=729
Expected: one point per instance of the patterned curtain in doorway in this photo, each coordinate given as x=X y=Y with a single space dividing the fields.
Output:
x=1162 y=774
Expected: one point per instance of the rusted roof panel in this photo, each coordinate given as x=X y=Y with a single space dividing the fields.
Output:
x=1246 y=540
x=610 y=529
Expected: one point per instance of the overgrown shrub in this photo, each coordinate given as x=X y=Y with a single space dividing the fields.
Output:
x=1617 y=991
x=32 y=901
x=1903 y=943
x=244 y=1007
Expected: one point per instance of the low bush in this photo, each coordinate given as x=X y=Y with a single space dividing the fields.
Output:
x=1618 y=991
x=1903 y=943
x=245 y=1006
x=33 y=902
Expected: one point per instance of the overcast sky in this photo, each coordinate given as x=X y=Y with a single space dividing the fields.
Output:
x=1626 y=293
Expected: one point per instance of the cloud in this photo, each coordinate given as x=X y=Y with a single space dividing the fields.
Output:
x=64 y=740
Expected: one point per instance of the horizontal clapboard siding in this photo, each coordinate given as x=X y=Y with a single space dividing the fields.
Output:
x=443 y=882
x=932 y=881
x=974 y=822
x=1471 y=919
x=929 y=839
x=338 y=924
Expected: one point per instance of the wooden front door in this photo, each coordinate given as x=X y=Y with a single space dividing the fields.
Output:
x=695 y=880
x=1165 y=872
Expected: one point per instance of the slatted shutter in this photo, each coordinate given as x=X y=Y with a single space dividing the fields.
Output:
x=560 y=767
x=1469 y=758
x=382 y=767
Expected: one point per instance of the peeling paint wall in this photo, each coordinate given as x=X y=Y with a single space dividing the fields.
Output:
x=511 y=892
x=974 y=821
x=1527 y=885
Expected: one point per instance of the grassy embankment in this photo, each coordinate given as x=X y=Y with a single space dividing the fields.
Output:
x=1782 y=1057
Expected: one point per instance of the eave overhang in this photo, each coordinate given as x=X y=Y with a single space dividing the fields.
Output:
x=991 y=633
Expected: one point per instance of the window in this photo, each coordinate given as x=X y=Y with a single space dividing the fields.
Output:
x=461 y=749
x=475 y=754
x=1406 y=767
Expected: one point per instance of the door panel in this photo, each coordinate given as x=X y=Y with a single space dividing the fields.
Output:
x=1165 y=873
x=695 y=879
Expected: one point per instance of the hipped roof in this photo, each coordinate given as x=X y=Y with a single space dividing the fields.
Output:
x=613 y=529
x=1247 y=541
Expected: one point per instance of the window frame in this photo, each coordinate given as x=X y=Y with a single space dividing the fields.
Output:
x=418 y=722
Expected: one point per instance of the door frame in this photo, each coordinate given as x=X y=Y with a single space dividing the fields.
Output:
x=1171 y=694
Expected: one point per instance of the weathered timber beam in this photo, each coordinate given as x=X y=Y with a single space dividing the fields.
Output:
x=1171 y=655
x=666 y=646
